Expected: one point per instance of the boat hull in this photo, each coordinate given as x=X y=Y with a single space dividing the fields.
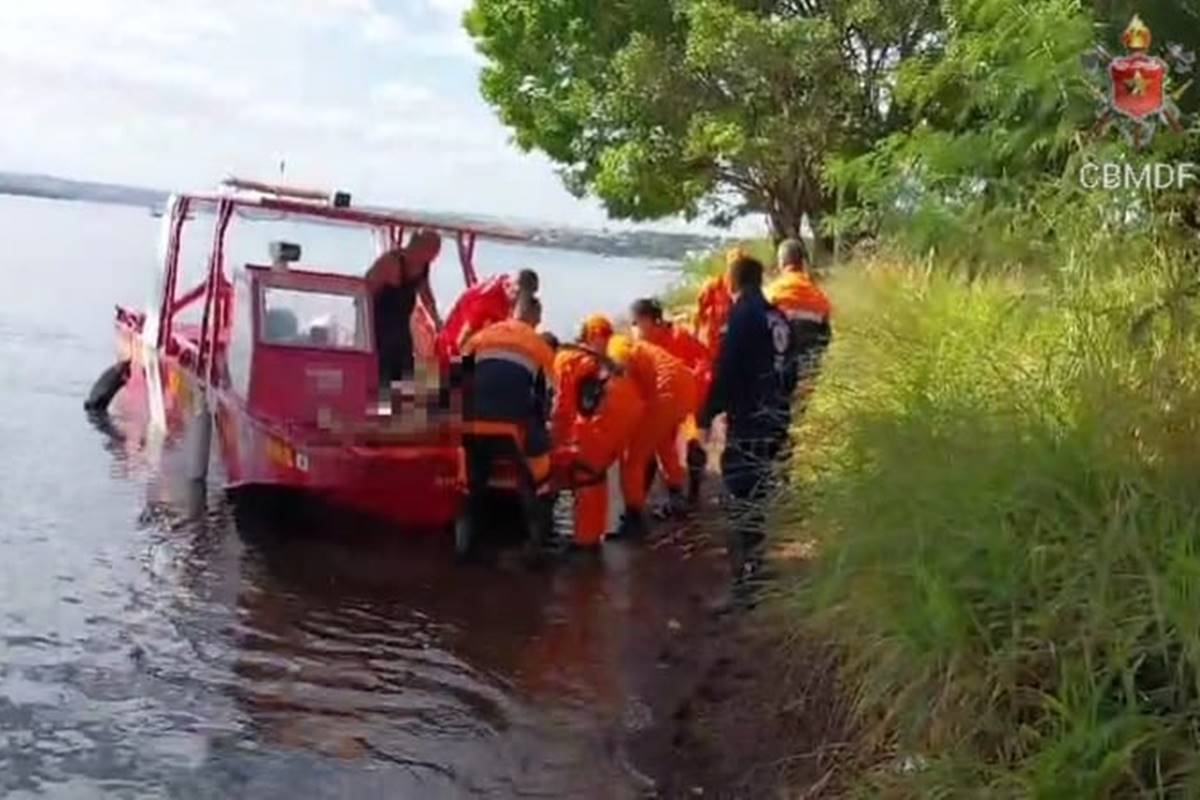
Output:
x=415 y=487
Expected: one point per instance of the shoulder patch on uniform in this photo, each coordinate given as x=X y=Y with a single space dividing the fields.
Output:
x=781 y=333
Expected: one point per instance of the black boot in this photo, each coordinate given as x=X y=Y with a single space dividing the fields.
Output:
x=677 y=505
x=632 y=525
x=697 y=462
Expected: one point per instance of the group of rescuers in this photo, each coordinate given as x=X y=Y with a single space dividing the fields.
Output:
x=611 y=398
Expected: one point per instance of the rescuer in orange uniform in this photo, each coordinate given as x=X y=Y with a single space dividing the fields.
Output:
x=713 y=304
x=597 y=409
x=651 y=327
x=668 y=390
x=512 y=376
x=806 y=307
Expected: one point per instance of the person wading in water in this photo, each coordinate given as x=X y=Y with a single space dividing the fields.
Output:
x=396 y=280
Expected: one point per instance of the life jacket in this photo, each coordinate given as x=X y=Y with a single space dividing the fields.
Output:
x=807 y=310
x=510 y=377
x=798 y=297
x=515 y=342
x=571 y=368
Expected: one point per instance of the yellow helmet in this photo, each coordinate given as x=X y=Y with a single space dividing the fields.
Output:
x=619 y=347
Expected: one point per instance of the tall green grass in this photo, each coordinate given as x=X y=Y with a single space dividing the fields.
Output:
x=1002 y=478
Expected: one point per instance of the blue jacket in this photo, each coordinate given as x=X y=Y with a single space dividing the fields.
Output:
x=756 y=371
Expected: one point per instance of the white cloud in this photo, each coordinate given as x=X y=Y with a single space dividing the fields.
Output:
x=439 y=37
x=451 y=8
x=294 y=117
x=173 y=93
x=400 y=96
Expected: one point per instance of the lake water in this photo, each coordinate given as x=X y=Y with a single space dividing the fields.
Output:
x=154 y=642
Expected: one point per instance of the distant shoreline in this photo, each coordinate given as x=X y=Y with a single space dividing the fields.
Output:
x=651 y=245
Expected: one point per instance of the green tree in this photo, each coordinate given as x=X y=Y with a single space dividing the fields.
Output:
x=1003 y=111
x=717 y=107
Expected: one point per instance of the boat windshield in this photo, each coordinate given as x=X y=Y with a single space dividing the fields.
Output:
x=311 y=318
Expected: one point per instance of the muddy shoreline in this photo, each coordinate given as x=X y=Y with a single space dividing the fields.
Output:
x=741 y=708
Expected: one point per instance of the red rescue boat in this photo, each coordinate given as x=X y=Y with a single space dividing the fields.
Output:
x=294 y=408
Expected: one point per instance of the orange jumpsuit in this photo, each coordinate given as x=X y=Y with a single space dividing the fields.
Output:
x=691 y=351
x=668 y=389
x=712 y=312
x=601 y=437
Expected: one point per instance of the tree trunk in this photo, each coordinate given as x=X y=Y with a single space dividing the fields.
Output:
x=785 y=220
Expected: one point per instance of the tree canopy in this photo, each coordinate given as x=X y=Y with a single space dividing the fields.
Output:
x=938 y=115
x=717 y=107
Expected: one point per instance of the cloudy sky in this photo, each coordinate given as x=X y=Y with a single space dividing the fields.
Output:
x=377 y=96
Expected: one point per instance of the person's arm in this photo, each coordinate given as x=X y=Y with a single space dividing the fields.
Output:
x=425 y=291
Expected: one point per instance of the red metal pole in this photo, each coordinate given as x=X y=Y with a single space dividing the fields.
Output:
x=466 y=256
x=166 y=312
x=216 y=262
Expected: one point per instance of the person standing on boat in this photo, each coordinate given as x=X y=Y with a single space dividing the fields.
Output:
x=396 y=280
x=483 y=304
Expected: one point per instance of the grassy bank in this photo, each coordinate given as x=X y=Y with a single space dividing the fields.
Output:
x=1001 y=482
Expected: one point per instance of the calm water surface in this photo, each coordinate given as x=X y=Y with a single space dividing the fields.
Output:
x=154 y=643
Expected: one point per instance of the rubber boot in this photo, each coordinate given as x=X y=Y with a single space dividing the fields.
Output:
x=697 y=463
x=632 y=526
x=677 y=505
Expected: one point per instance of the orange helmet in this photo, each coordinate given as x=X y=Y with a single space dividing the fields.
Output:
x=596 y=326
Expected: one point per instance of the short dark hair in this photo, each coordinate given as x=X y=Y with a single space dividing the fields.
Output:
x=550 y=339
x=527 y=281
x=528 y=307
x=745 y=273
x=647 y=307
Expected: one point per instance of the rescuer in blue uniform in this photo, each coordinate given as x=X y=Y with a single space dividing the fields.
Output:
x=753 y=386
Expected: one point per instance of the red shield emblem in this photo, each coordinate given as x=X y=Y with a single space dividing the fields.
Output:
x=1137 y=85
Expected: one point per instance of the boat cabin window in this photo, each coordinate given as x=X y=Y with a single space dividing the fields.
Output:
x=307 y=318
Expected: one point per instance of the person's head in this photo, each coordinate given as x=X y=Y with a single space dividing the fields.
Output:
x=745 y=273
x=552 y=340
x=424 y=246
x=527 y=282
x=791 y=256
x=595 y=332
x=528 y=310
x=647 y=314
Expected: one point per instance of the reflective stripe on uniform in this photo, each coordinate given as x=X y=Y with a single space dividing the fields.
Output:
x=511 y=356
x=803 y=315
